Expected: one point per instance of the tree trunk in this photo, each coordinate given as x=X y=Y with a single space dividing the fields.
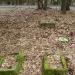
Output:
x=40 y=4
x=63 y=6
x=45 y=5
x=68 y=3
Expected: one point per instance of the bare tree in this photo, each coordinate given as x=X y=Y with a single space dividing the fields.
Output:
x=42 y=4
x=63 y=6
x=45 y=4
x=68 y=3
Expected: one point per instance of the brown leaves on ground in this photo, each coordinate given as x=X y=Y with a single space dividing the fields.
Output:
x=19 y=31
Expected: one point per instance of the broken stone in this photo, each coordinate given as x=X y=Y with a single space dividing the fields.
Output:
x=62 y=39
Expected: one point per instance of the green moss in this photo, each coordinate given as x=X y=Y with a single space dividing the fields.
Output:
x=46 y=70
x=8 y=72
x=15 y=70
x=19 y=60
x=54 y=72
x=63 y=62
x=1 y=60
x=47 y=24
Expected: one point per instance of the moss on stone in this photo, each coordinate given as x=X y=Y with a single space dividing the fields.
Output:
x=46 y=70
x=47 y=24
x=16 y=69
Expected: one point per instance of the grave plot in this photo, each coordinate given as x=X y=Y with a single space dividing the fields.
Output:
x=11 y=64
x=47 y=24
x=8 y=62
x=54 y=64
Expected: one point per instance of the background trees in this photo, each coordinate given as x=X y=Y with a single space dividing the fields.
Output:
x=65 y=5
x=68 y=3
x=53 y=2
x=42 y=4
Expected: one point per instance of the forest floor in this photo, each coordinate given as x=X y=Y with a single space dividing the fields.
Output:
x=19 y=30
